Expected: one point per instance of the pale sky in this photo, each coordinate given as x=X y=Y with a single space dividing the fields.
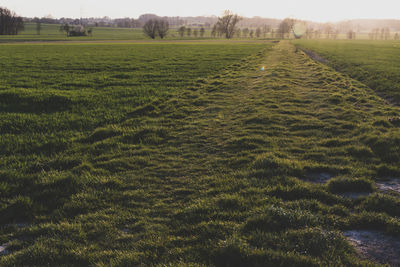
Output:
x=316 y=10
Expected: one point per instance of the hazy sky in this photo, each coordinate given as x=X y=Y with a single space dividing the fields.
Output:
x=317 y=10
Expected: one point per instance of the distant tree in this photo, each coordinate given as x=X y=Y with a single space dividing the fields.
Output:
x=245 y=32
x=258 y=32
x=374 y=34
x=226 y=24
x=371 y=35
x=335 y=34
x=188 y=32
x=150 y=28
x=195 y=32
x=285 y=27
x=10 y=23
x=125 y=23
x=396 y=36
x=181 y=31
x=38 y=26
x=266 y=29
x=202 y=32
x=317 y=33
x=238 y=33
x=309 y=33
x=65 y=28
x=328 y=29
x=162 y=27
x=90 y=32
x=272 y=33
x=351 y=35
x=387 y=33
x=214 y=31
x=251 y=33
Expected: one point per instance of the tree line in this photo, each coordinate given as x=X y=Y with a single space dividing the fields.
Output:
x=10 y=23
x=226 y=25
x=381 y=34
x=154 y=27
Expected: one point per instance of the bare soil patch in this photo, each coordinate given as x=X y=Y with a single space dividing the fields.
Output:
x=376 y=246
x=392 y=185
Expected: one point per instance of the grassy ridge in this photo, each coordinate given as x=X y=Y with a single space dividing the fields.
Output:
x=374 y=63
x=212 y=173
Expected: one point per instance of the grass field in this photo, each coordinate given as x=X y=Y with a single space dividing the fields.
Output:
x=375 y=63
x=50 y=32
x=189 y=155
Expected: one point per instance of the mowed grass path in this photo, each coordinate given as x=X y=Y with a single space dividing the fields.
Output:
x=214 y=174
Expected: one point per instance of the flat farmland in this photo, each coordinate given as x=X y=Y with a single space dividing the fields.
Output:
x=51 y=32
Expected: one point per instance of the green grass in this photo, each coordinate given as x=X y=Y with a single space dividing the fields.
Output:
x=50 y=32
x=374 y=63
x=187 y=155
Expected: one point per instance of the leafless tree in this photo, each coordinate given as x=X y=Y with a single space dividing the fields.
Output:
x=238 y=33
x=317 y=33
x=202 y=32
x=351 y=35
x=162 y=27
x=309 y=33
x=245 y=32
x=214 y=31
x=387 y=33
x=226 y=24
x=258 y=32
x=150 y=28
x=10 y=23
x=285 y=27
x=328 y=29
x=335 y=34
x=65 y=28
x=266 y=29
x=181 y=31
x=38 y=26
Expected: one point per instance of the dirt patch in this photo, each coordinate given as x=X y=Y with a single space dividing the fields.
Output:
x=354 y=195
x=315 y=56
x=3 y=249
x=392 y=185
x=376 y=246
